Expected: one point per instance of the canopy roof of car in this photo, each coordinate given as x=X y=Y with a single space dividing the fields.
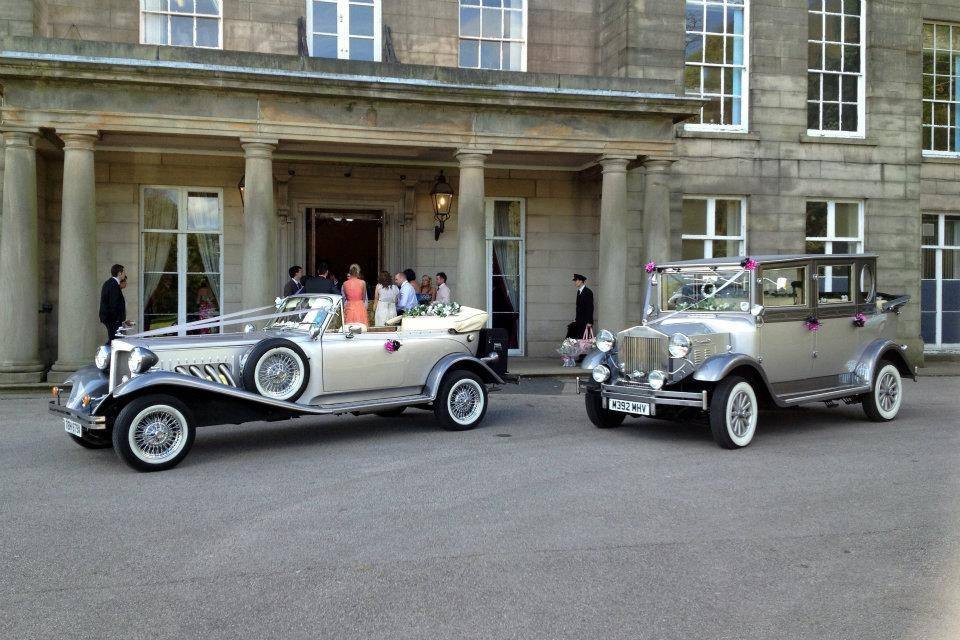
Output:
x=736 y=261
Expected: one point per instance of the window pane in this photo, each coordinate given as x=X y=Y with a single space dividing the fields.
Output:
x=694 y=48
x=817 y=247
x=816 y=219
x=361 y=49
x=160 y=208
x=843 y=248
x=325 y=17
x=831 y=28
x=203 y=299
x=851 y=30
x=847 y=220
x=713 y=53
x=489 y=55
x=951 y=231
x=832 y=54
x=513 y=56
x=157 y=5
x=815 y=26
x=831 y=117
x=361 y=21
x=513 y=25
x=850 y=89
x=208 y=7
x=491 y=23
x=851 y=59
x=712 y=77
x=208 y=32
x=784 y=287
x=325 y=46
x=181 y=31
x=726 y=248
x=203 y=253
x=928 y=229
x=714 y=19
x=159 y=253
x=692 y=249
x=183 y=6
x=469 y=21
x=727 y=219
x=694 y=17
x=849 y=118
x=470 y=53
x=831 y=87
x=506 y=258
x=513 y=4
x=695 y=217
x=815 y=55
x=711 y=112
x=160 y=300
x=203 y=211
x=154 y=29
x=833 y=283
x=506 y=219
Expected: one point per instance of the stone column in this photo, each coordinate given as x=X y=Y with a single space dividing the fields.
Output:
x=259 y=286
x=20 y=262
x=78 y=329
x=470 y=286
x=611 y=300
x=656 y=211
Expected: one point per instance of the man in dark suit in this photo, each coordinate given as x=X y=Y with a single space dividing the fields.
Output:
x=113 y=306
x=584 y=317
x=293 y=286
x=321 y=283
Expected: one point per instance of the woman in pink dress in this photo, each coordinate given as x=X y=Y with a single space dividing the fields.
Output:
x=355 y=298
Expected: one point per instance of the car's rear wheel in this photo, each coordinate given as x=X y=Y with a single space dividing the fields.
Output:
x=93 y=440
x=734 y=411
x=153 y=433
x=276 y=369
x=600 y=417
x=883 y=402
x=461 y=403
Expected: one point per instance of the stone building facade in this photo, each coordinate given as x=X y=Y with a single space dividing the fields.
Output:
x=579 y=135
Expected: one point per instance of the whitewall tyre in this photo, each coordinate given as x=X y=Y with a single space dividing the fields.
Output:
x=461 y=403
x=153 y=433
x=734 y=412
x=276 y=369
x=883 y=402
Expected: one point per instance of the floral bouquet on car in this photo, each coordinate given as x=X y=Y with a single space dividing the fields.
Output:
x=569 y=350
x=434 y=310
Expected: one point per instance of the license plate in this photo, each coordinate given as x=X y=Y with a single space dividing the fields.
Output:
x=629 y=406
x=72 y=426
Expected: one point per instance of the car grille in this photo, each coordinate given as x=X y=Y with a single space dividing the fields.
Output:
x=643 y=354
x=119 y=368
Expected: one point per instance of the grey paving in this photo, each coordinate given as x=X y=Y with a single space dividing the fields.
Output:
x=827 y=527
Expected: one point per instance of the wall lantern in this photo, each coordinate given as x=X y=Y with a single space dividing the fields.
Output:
x=442 y=196
x=242 y=186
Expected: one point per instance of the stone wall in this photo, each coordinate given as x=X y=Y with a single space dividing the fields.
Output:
x=16 y=17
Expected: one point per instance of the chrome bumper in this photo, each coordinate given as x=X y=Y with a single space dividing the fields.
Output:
x=89 y=422
x=638 y=393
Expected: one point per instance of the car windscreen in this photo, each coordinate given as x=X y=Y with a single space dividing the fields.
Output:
x=314 y=312
x=714 y=291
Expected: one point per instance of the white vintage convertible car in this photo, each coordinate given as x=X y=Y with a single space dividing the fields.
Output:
x=146 y=394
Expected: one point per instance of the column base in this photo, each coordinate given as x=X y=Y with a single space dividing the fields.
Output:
x=21 y=373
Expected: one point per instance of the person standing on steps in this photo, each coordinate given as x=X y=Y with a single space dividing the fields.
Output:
x=113 y=306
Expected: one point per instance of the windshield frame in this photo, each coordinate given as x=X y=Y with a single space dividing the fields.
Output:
x=722 y=274
x=297 y=302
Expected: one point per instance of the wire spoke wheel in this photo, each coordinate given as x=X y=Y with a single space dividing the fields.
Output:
x=158 y=434
x=465 y=401
x=279 y=373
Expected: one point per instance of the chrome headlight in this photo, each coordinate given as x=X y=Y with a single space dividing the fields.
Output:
x=102 y=359
x=656 y=379
x=605 y=341
x=142 y=359
x=679 y=346
x=601 y=373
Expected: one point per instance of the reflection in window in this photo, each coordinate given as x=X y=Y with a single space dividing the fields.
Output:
x=833 y=284
x=784 y=287
x=940 y=284
x=835 y=67
x=717 y=60
x=834 y=227
x=713 y=228
x=345 y=29
x=493 y=34
x=182 y=23
x=941 y=69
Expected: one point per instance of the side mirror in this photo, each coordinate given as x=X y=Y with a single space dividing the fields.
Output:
x=314 y=332
x=352 y=332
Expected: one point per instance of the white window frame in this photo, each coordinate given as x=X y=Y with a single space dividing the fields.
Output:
x=169 y=15
x=181 y=232
x=523 y=42
x=928 y=103
x=343 y=28
x=709 y=239
x=939 y=247
x=744 y=125
x=489 y=207
x=831 y=236
x=861 y=82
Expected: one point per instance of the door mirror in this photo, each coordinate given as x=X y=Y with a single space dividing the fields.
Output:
x=352 y=331
x=315 y=331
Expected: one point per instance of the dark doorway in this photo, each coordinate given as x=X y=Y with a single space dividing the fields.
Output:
x=341 y=238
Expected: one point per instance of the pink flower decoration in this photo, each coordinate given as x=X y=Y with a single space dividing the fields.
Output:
x=750 y=264
x=650 y=267
x=859 y=320
x=812 y=324
x=391 y=345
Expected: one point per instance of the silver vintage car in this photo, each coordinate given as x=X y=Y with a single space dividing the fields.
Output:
x=145 y=395
x=722 y=337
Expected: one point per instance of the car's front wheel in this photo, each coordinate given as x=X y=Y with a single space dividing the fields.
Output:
x=600 y=417
x=733 y=413
x=461 y=403
x=153 y=433
x=883 y=402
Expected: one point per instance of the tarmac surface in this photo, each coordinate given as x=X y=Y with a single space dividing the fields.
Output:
x=535 y=525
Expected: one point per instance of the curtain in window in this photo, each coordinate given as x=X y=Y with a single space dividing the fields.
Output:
x=156 y=251
x=209 y=248
x=506 y=253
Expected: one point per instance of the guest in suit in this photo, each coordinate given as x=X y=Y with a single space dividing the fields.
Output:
x=584 y=316
x=443 y=291
x=113 y=306
x=408 y=293
x=293 y=286
x=321 y=283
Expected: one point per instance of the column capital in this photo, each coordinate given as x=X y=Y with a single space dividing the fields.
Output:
x=259 y=147
x=658 y=165
x=19 y=137
x=615 y=163
x=78 y=139
x=472 y=157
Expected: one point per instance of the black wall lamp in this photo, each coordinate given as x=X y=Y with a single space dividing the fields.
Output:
x=442 y=196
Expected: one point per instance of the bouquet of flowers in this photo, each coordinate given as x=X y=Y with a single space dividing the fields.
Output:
x=569 y=350
x=434 y=309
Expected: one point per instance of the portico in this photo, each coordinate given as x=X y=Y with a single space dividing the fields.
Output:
x=147 y=175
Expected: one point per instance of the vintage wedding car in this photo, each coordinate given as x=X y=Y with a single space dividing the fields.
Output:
x=147 y=394
x=722 y=337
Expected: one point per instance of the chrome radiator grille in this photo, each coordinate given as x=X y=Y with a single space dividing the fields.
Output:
x=643 y=354
x=119 y=368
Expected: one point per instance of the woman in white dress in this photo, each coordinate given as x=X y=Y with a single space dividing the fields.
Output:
x=385 y=297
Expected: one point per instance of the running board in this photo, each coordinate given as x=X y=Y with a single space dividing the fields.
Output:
x=378 y=405
x=821 y=396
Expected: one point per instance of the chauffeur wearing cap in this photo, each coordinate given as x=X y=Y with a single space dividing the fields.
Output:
x=584 y=317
